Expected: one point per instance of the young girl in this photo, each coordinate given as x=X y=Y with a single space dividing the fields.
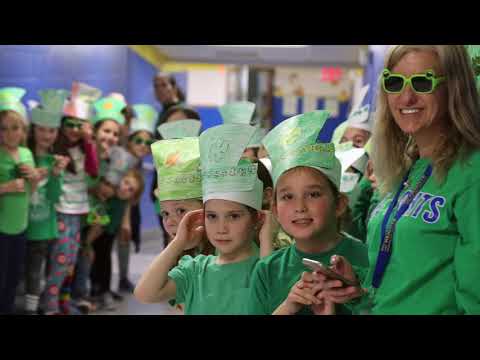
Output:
x=76 y=144
x=17 y=181
x=309 y=207
x=42 y=226
x=232 y=197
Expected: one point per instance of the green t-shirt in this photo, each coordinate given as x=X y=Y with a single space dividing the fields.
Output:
x=207 y=288
x=14 y=206
x=435 y=263
x=275 y=275
x=42 y=218
x=115 y=209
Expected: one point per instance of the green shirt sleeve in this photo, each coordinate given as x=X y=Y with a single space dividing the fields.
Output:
x=360 y=210
x=257 y=299
x=54 y=187
x=467 y=252
x=182 y=275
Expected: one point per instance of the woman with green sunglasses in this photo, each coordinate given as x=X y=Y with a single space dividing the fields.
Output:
x=424 y=247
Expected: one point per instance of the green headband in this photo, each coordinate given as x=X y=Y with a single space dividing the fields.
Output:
x=109 y=109
x=178 y=168
x=225 y=175
x=10 y=99
x=293 y=143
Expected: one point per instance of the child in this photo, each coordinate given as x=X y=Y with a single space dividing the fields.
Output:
x=42 y=226
x=308 y=205
x=77 y=145
x=232 y=197
x=17 y=181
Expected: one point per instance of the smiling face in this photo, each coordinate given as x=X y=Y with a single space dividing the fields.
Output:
x=419 y=114
x=173 y=212
x=45 y=136
x=230 y=226
x=139 y=144
x=305 y=205
x=12 y=130
x=107 y=134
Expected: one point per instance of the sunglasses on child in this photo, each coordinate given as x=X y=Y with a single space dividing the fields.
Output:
x=424 y=83
x=73 y=124
x=139 y=141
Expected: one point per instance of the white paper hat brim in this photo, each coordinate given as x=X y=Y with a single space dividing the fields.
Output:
x=251 y=198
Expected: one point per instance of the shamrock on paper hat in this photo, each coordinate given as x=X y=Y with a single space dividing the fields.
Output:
x=293 y=143
x=225 y=174
x=145 y=118
x=109 y=108
x=11 y=99
x=177 y=162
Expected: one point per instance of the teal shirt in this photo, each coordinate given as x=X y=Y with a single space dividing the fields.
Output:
x=14 y=206
x=275 y=275
x=435 y=263
x=207 y=288
x=115 y=209
x=42 y=220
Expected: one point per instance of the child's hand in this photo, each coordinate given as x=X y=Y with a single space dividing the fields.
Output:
x=28 y=172
x=301 y=294
x=190 y=230
x=42 y=173
x=14 y=186
x=61 y=162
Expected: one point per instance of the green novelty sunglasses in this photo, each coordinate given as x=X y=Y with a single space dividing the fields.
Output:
x=424 y=83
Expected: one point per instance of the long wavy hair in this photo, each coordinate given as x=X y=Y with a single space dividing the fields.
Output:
x=394 y=152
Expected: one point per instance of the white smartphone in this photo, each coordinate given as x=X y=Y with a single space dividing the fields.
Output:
x=318 y=266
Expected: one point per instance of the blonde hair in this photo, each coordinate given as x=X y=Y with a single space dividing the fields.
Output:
x=394 y=152
x=19 y=118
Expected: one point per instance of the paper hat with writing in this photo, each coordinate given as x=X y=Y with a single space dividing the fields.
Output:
x=293 y=143
x=120 y=162
x=50 y=111
x=177 y=162
x=109 y=108
x=11 y=99
x=145 y=118
x=180 y=129
x=81 y=101
x=257 y=137
x=225 y=174
x=240 y=112
x=347 y=154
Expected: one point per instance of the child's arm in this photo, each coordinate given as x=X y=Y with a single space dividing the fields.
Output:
x=155 y=285
x=266 y=233
x=126 y=227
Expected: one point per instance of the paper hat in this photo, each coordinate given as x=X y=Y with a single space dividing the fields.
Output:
x=180 y=129
x=11 y=99
x=267 y=163
x=293 y=143
x=51 y=111
x=359 y=116
x=145 y=119
x=109 y=108
x=178 y=168
x=81 y=101
x=119 y=97
x=120 y=162
x=239 y=112
x=257 y=138
x=225 y=175
x=347 y=154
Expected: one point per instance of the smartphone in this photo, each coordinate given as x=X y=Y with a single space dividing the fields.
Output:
x=318 y=266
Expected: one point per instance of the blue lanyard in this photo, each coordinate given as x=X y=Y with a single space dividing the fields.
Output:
x=385 y=251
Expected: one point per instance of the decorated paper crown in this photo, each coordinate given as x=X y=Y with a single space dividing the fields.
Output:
x=11 y=99
x=225 y=174
x=239 y=112
x=81 y=99
x=119 y=97
x=109 y=108
x=348 y=155
x=51 y=111
x=180 y=129
x=120 y=162
x=178 y=168
x=359 y=116
x=293 y=143
x=145 y=118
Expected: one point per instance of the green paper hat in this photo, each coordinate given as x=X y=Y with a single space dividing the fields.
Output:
x=225 y=175
x=145 y=119
x=11 y=99
x=240 y=112
x=178 y=168
x=348 y=155
x=293 y=143
x=109 y=108
x=51 y=111
x=180 y=129
x=257 y=138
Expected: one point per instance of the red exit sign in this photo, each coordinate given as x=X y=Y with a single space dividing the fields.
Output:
x=331 y=74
